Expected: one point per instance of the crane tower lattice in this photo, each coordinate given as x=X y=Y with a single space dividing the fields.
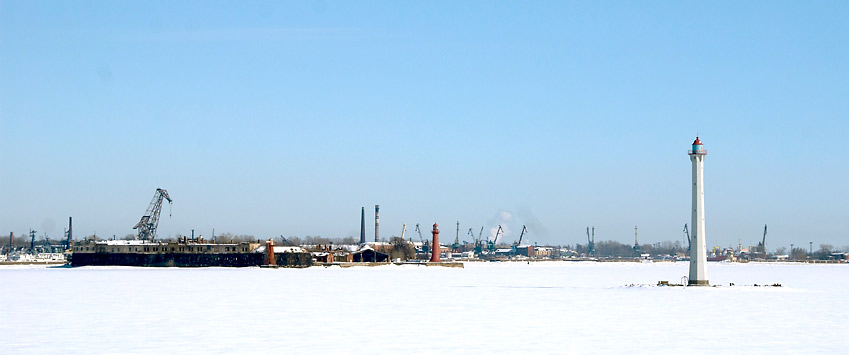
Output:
x=150 y=221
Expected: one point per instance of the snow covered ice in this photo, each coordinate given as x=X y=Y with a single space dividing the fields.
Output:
x=541 y=307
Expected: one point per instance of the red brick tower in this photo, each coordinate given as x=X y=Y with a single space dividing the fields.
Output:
x=434 y=255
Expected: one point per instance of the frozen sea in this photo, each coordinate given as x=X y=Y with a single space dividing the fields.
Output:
x=541 y=307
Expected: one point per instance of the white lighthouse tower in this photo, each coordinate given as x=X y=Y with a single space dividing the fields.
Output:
x=698 y=255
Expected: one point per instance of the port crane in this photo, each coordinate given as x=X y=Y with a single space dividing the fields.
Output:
x=425 y=248
x=150 y=221
x=516 y=244
x=687 y=235
x=590 y=243
x=477 y=241
x=491 y=244
x=474 y=242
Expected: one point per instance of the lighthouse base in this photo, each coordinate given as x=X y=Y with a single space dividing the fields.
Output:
x=698 y=283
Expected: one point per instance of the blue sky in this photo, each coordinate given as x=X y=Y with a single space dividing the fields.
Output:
x=270 y=118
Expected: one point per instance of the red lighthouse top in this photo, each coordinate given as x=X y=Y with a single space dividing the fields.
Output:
x=697 y=148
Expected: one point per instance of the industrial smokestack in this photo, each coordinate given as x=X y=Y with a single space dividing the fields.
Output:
x=11 y=237
x=434 y=255
x=363 y=227
x=376 y=223
x=70 y=231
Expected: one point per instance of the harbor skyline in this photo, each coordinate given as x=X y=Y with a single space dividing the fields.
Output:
x=287 y=119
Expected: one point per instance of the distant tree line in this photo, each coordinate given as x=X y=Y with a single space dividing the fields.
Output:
x=614 y=249
x=798 y=254
x=824 y=252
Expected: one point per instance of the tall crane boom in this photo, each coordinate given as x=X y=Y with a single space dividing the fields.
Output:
x=590 y=243
x=476 y=242
x=425 y=247
x=496 y=234
x=515 y=249
x=521 y=235
x=490 y=244
x=150 y=221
